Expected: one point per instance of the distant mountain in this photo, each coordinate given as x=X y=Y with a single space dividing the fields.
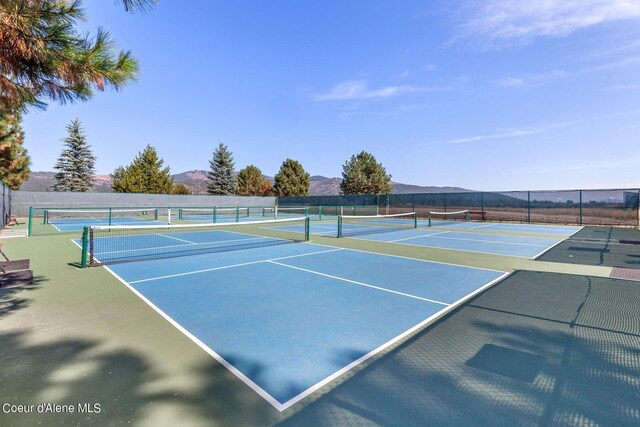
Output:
x=196 y=181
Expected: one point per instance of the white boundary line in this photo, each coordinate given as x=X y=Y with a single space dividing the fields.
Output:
x=255 y=387
x=548 y=249
x=178 y=246
x=229 y=266
x=409 y=258
x=264 y=394
x=176 y=238
x=486 y=241
x=342 y=279
x=431 y=319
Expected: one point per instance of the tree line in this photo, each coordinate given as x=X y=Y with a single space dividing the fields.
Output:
x=75 y=167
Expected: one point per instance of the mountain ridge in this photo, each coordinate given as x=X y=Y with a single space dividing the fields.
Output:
x=195 y=180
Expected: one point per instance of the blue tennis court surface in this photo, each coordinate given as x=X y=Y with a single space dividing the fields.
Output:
x=499 y=244
x=287 y=319
x=563 y=230
x=77 y=224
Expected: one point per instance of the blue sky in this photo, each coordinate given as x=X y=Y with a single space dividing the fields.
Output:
x=486 y=95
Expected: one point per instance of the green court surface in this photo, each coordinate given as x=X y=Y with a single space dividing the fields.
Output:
x=555 y=343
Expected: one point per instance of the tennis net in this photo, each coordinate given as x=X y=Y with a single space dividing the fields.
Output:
x=115 y=244
x=445 y=218
x=352 y=225
x=214 y=214
x=108 y=216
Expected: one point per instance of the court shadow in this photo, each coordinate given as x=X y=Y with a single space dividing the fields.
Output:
x=522 y=353
x=14 y=298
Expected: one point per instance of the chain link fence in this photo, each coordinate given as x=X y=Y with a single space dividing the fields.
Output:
x=615 y=207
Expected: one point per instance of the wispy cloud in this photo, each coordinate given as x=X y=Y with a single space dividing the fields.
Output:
x=500 y=134
x=610 y=164
x=528 y=79
x=402 y=75
x=498 y=23
x=359 y=89
x=508 y=133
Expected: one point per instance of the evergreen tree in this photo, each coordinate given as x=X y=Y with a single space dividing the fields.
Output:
x=75 y=166
x=221 y=179
x=14 y=160
x=180 y=189
x=144 y=175
x=250 y=182
x=45 y=56
x=291 y=180
x=364 y=175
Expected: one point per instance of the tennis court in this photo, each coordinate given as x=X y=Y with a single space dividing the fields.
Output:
x=280 y=321
x=288 y=318
x=75 y=220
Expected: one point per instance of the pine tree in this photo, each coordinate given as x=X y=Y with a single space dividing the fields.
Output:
x=76 y=164
x=291 y=180
x=45 y=56
x=14 y=160
x=362 y=174
x=250 y=182
x=221 y=179
x=145 y=174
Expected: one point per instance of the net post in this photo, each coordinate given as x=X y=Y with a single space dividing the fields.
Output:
x=110 y=216
x=91 y=248
x=467 y=215
x=168 y=215
x=320 y=213
x=215 y=214
x=275 y=212
x=30 y=226
x=339 y=226
x=429 y=220
x=156 y=215
x=179 y=213
x=85 y=247
x=529 y=207
x=45 y=216
x=307 y=229
x=415 y=220
x=237 y=213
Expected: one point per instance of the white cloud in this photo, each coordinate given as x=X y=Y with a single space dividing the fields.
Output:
x=532 y=78
x=508 y=133
x=402 y=75
x=512 y=22
x=359 y=89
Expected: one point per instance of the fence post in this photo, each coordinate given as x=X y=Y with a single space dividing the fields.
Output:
x=580 y=223
x=445 y=202
x=529 y=207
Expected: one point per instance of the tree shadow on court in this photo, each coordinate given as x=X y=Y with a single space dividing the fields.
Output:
x=14 y=298
x=511 y=356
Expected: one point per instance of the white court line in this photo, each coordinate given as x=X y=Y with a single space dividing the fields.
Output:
x=255 y=387
x=176 y=246
x=548 y=249
x=176 y=238
x=358 y=283
x=422 y=235
x=265 y=395
x=231 y=266
x=478 y=240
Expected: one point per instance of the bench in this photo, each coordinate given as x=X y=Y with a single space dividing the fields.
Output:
x=11 y=220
